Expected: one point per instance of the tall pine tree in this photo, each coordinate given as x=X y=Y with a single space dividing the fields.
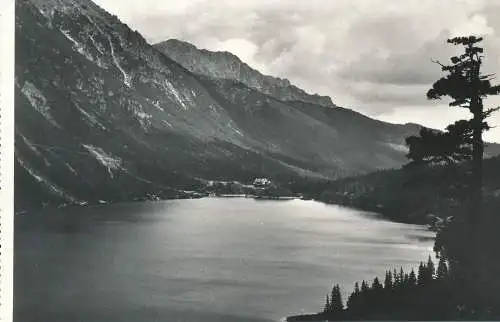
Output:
x=412 y=280
x=388 y=280
x=336 y=303
x=401 y=276
x=397 y=282
x=430 y=269
x=376 y=284
x=421 y=274
x=442 y=270
x=467 y=87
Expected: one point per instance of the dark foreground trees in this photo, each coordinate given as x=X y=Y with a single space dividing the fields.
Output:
x=427 y=295
x=466 y=282
x=467 y=87
x=467 y=241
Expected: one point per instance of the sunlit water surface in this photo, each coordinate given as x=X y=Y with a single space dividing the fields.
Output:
x=212 y=259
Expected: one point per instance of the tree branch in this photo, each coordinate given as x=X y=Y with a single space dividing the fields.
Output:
x=490 y=111
x=437 y=62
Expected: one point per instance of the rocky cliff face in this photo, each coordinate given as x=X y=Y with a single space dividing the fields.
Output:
x=101 y=116
x=225 y=65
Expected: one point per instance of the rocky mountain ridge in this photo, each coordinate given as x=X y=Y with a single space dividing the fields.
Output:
x=103 y=116
x=225 y=65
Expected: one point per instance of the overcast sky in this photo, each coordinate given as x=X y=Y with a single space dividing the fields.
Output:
x=373 y=56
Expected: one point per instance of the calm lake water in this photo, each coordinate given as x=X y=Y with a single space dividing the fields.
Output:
x=212 y=259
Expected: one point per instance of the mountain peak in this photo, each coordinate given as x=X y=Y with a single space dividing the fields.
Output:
x=226 y=65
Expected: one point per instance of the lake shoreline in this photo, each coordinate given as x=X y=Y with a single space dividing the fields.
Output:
x=234 y=251
x=201 y=195
x=195 y=195
x=198 y=195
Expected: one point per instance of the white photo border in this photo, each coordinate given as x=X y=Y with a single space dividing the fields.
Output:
x=7 y=49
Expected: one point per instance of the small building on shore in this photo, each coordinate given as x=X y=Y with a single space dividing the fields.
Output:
x=262 y=182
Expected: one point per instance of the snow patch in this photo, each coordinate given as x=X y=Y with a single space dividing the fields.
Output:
x=90 y=118
x=97 y=45
x=30 y=145
x=213 y=110
x=169 y=88
x=143 y=115
x=71 y=169
x=52 y=187
x=138 y=111
x=30 y=171
x=235 y=129
x=167 y=123
x=77 y=46
x=34 y=149
x=127 y=79
x=105 y=159
x=158 y=106
x=100 y=49
x=38 y=101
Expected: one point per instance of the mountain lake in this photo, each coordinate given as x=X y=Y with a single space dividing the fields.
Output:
x=210 y=259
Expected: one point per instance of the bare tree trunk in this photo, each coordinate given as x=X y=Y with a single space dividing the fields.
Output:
x=477 y=169
x=477 y=253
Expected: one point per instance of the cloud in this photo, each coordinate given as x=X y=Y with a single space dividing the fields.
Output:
x=242 y=48
x=399 y=67
x=370 y=57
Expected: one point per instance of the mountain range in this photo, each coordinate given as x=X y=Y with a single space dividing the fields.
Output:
x=103 y=116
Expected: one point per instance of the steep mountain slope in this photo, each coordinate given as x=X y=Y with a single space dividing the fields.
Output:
x=360 y=134
x=330 y=141
x=103 y=116
x=100 y=114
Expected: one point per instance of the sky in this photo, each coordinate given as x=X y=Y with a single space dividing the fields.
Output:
x=373 y=56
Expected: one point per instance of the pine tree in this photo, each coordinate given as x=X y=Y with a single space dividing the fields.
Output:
x=353 y=298
x=397 y=282
x=432 y=146
x=340 y=306
x=388 y=280
x=364 y=287
x=333 y=299
x=336 y=303
x=406 y=279
x=421 y=273
x=442 y=271
x=401 y=276
x=412 y=278
x=376 y=284
x=467 y=87
x=327 y=304
x=351 y=301
x=431 y=271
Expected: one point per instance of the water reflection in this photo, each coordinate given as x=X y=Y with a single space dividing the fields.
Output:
x=211 y=259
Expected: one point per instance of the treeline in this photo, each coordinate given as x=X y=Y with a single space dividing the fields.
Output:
x=411 y=193
x=395 y=297
x=427 y=294
x=402 y=195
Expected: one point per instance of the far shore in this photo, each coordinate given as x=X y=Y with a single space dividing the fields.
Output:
x=191 y=195
x=201 y=195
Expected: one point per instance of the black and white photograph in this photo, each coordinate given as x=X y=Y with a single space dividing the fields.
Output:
x=253 y=161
